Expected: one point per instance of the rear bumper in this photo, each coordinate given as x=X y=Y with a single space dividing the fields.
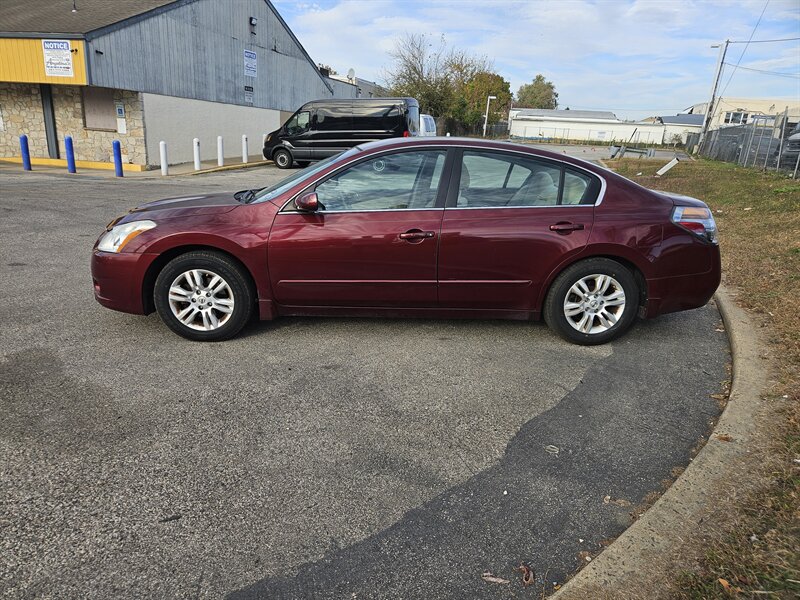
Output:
x=118 y=278
x=683 y=292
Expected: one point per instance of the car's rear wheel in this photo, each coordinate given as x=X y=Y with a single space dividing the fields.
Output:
x=204 y=296
x=283 y=158
x=592 y=302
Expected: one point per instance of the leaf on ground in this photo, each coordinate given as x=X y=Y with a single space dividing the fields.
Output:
x=489 y=578
x=528 y=575
x=725 y=584
x=724 y=437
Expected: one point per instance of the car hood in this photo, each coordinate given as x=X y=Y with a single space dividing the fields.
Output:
x=681 y=200
x=184 y=206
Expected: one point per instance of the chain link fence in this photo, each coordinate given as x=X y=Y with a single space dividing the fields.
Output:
x=766 y=142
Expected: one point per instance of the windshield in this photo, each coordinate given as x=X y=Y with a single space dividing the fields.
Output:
x=273 y=191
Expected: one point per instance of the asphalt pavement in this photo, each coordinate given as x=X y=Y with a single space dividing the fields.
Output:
x=311 y=458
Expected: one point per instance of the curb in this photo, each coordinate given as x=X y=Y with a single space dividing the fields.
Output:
x=647 y=551
x=247 y=165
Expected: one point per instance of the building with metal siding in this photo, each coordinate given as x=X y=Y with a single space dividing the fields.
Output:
x=174 y=70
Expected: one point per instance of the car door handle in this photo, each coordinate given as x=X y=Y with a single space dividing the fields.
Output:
x=566 y=227
x=416 y=234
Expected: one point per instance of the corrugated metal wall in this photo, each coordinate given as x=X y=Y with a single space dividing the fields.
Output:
x=196 y=50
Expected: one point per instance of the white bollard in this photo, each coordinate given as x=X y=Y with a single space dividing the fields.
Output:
x=244 y=148
x=162 y=150
x=220 y=152
x=196 y=147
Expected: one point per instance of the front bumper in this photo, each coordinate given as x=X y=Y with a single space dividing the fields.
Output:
x=118 y=279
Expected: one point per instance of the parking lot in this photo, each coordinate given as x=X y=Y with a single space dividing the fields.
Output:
x=311 y=458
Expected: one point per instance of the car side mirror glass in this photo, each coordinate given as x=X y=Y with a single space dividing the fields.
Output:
x=307 y=202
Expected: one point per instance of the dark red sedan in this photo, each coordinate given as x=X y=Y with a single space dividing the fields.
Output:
x=437 y=227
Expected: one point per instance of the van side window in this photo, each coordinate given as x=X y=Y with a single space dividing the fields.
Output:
x=334 y=118
x=374 y=118
x=298 y=123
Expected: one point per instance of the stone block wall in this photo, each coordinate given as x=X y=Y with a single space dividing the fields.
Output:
x=21 y=112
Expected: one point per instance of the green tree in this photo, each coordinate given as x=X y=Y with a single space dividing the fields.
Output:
x=540 y=93
x=478 y=89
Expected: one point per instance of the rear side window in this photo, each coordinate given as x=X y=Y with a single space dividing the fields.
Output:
x=576 y=188
x=498 y=180
x=486 y=181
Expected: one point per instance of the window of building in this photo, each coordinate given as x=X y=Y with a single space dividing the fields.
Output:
x=98 y=108
x=736 y=118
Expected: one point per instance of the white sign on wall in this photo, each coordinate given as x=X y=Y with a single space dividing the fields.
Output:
x=250 y=64
x=57 y=58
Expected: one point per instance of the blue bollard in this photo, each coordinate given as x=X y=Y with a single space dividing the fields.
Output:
x=70 y=154
x=117 y=158
x=26 y=153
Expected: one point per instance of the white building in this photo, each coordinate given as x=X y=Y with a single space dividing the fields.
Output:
x=741 y=111
x=580 y=125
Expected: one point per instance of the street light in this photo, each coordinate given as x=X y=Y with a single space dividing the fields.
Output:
x=486 y=116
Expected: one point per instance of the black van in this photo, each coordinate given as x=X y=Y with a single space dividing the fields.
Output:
x=323 y=128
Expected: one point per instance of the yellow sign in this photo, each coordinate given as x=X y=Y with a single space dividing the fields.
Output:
x=43 y=61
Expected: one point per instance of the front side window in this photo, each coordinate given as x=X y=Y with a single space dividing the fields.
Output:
x=298 y=123
x=405 y=180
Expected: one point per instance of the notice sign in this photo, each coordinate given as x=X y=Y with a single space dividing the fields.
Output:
x=248 y=94
x=57 y=58
x=250 y=64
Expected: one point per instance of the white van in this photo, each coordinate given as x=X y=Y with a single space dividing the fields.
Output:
x=427 y=126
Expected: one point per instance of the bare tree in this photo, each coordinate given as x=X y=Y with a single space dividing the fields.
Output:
x=432 y=73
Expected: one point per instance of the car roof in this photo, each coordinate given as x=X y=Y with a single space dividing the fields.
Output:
x=479 y=144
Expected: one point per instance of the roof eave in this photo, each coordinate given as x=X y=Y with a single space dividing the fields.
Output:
x=41 y=34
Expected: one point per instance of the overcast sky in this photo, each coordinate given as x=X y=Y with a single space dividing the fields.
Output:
x=635 y=57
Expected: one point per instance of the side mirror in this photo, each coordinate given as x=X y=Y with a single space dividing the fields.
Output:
x=307 y=202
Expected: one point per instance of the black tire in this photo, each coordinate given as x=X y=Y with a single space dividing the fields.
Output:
x=555 y=310
x=238 y=292
x=283 y=158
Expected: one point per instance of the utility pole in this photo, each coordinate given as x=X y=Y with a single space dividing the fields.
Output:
x=723 y=50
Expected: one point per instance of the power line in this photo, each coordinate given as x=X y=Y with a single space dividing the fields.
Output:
x=790 y=75
x=767 y=41
x=722 y=93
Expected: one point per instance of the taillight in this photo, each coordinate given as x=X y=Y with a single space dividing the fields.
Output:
x=698 y=220
x=406 y=133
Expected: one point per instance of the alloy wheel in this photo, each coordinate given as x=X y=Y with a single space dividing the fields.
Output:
x=201 y=300
x=594 y=303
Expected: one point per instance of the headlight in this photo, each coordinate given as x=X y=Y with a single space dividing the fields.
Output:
x=118 y=236
x=269 y=137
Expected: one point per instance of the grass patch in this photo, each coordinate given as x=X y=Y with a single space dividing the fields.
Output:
x=756 y=552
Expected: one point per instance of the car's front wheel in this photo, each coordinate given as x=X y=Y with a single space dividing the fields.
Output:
x=204 y=296
x=592 y=301
x=283 y=158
